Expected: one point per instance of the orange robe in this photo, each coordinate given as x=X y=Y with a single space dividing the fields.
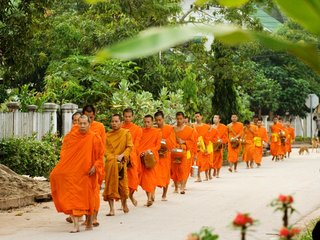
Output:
x=203 y=157
x=290 y=139
x=210 y=138
x=118 y=142
x=180 y=171
x=275 y=142
x=99 y=129
x=234 y=129
x=262 y=135
x=222 y=135
x=150 y=140
x=248 y=146
x=134 y=171
x=163 y=168
x=72 y=188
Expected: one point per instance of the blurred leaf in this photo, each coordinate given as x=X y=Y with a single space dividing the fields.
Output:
x=306 y=13
x=200 y=3
x=232 y=3
x=158 y=39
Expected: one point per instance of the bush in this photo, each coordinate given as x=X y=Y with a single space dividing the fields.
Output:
x=29 y=156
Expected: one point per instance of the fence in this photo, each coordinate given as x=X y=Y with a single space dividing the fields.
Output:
x=18 y=124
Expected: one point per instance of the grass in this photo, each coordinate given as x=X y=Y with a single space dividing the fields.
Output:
x=307 y=233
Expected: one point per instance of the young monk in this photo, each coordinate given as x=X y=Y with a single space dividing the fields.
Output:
x=73 y=180
x=203 y=157
x=290 y=137
x=249 y=132
x=168 y=141
x=134 y=168
x=118 y=148
x=235 y=130
x=150 y=142
x=259 y=141
x=275 y=141
x=186 y=138
x=98 y=128
x=75 y=118
x=218 y=145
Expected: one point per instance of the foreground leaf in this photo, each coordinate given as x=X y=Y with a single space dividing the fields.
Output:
x=233 y=3
x=306 y=13
x=154 y=40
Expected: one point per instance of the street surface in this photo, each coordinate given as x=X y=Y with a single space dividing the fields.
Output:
x=214 y=203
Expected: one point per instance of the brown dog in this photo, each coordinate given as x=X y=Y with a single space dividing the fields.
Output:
x=303 y=149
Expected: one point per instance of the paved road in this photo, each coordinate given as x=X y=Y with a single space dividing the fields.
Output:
x=213 y=203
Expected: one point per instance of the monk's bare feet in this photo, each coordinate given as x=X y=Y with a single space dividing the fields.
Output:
x=75 y=231
x=198 y=180
x=125 y=209
x=110 y=214
x=133 y=200
x=230 y=169
x=164 y=199
x=149 y=203
x=95 y=223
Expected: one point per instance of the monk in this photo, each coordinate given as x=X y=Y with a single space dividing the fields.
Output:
x=283 y=138
x=218 y=144
x=168 y=141
x=203 y=157
x=249 y=132
x=149 y=144
x=275 y=141
x=134 y=168
x=259 y=140
x=75 y=118
x=98 y=128
x=290 y=137
x=235 y=130
x=118 y=148
x=73 y=180
x=186 y=138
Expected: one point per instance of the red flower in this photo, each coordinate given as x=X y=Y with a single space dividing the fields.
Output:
x=290 y=199
x=242 y=220
x=284 y=232
x=282 y=198
x=285 y=199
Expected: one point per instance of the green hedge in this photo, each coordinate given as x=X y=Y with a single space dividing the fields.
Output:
x=30 y=156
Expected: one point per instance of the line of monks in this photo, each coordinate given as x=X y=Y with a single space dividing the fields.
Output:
x=129 y=156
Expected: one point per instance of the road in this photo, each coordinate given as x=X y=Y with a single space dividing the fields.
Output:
x=214 y=203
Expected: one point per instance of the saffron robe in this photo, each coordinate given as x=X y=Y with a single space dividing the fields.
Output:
x=134 y=171
x=180 y=171
x=234 y=129
x=72 y=189
x=275 y=142
x=99 y=129
x=262 y=136
x=203 y=157
x=118 y=142
x=222 y=136
x=150 y=140
x=290 y=139
x=249 y=132
x=163 y=168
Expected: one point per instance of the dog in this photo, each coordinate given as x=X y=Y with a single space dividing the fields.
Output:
x=315 y=144
x=303 y=149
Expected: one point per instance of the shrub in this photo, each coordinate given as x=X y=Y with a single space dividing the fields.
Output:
x=29 y=156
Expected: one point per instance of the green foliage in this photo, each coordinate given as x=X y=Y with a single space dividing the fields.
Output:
x=74 y=79
x=307 y=233
x=143 y=102
x=205 y=233
x=29 y=156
